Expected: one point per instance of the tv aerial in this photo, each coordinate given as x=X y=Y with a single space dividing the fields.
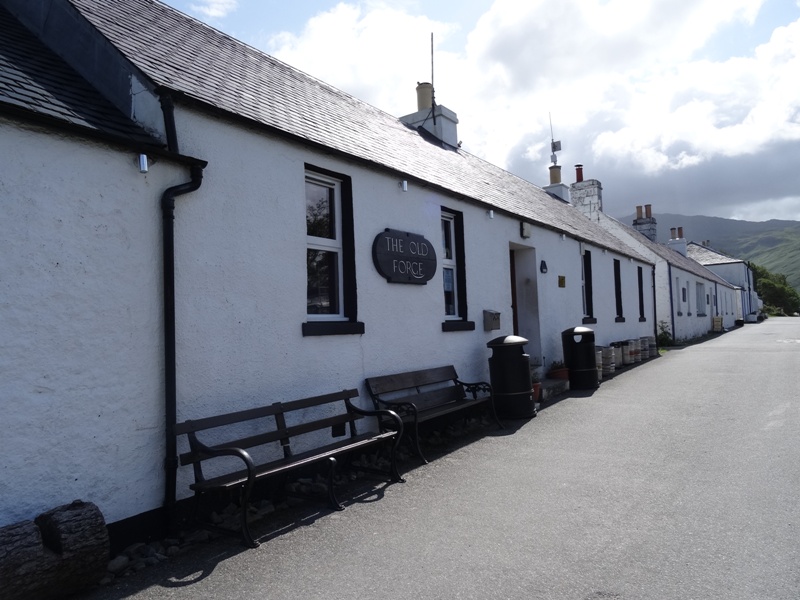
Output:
x=555 y=145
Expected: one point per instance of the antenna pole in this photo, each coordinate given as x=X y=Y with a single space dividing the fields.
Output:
x=554 y=145
x=433 y=87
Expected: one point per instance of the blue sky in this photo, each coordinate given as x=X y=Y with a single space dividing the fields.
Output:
x=691 y=106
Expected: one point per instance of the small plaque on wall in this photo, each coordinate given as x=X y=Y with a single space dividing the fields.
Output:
x=562 y=281
x=403 y=257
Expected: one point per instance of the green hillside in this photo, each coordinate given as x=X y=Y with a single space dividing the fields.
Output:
x=774 y=245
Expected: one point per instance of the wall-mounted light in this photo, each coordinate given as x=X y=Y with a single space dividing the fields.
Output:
x=403 y=185
x=525 y=230
x=543 y=267
x=143 y=166
x=490 y=213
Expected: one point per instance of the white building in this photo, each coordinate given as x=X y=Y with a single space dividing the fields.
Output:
x=688 y=297
x=174 y=285
x=734 y=270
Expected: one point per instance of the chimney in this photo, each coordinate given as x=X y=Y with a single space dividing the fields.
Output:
x=677 y=243
x=645 y=225
x=587 y=196
x=437 y=120
x=556 y=188
x=424 y=96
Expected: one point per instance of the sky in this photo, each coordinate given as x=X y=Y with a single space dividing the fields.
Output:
x=692 y=106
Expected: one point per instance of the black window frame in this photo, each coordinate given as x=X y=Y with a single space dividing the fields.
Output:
x=350 y=325
x=461 y=322
x=588 y=291
x=620 y=318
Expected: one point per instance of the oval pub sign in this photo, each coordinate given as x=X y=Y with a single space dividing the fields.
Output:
x=403 y=257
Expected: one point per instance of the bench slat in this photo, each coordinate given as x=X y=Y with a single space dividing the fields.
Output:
x=318 y=400
x=424 y=400
x=237 y=478
x=226 y=419
x=410 y=379
x=269 y=437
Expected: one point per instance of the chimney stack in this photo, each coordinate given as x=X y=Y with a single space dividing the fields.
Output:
x=439 y=121
x=677 y=242
x=645 y=225
x=587 y=196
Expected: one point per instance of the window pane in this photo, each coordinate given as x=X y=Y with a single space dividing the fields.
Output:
x=323 y=283
x=449 y=292
x=447 y=239
x=320 y=211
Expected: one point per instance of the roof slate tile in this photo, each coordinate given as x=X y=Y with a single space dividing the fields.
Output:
x=185 y=55
x=33 y=78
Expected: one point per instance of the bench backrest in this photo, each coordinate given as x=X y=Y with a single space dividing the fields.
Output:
x=425 y=387
x=272 y=424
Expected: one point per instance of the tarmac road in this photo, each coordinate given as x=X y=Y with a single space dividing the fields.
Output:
x=677 y=479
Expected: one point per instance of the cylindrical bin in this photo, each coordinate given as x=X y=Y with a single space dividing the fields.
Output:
x=510 y=375
x=580 y=358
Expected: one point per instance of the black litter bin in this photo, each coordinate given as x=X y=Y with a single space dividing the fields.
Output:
x=510 y=374
x=580 y=358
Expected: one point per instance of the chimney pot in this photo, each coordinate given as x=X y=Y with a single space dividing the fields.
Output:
x=578 y=173
x=680 y=233
x=555 y=174
x=424 y=96
x=648 y=211
x=638 y=212
x=672 y=231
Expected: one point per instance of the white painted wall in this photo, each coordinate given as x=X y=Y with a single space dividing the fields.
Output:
x=81 y=349
x=82 y=318
x=671 y=310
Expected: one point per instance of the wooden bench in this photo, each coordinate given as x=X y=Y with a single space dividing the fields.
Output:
x=277 y=426
x=419 y=396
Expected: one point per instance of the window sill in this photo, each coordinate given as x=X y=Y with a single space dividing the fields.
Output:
x=619 y=320
x=589 y=321
x=315 y=328
x=458 y=326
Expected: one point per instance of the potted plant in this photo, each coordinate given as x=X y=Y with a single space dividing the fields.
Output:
x=558 y=370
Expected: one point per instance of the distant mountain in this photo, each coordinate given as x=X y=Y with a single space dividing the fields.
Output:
x=774 y=245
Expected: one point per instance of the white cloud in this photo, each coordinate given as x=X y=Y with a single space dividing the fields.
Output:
x=623 y=79
x=214 y=9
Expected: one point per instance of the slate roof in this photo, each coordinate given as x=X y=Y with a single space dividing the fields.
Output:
x=182 y=54
x=34 y=81
x=707 y=256
x=673 y=257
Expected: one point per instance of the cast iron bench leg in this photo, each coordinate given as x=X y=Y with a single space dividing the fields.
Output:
x=334 y=501
x=244 y=504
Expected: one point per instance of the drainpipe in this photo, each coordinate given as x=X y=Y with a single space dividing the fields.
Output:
x=168 y=108
x=655 y=308
x=170 y=385
x=671 y=302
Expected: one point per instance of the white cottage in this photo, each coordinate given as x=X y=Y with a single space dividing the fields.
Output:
x=690 y=299
x=734 y=270
x=142 y=282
